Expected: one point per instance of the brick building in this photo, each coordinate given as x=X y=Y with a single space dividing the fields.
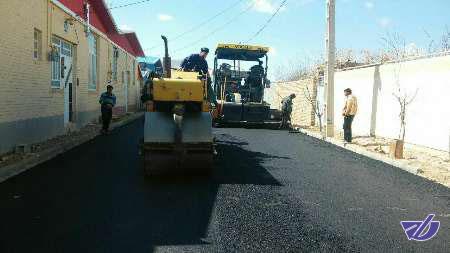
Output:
x=56 y=59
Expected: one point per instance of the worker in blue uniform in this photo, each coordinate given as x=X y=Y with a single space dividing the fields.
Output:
x=107 y=101
x=198 y=63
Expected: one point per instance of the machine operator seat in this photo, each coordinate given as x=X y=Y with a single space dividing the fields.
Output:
x=255 y=83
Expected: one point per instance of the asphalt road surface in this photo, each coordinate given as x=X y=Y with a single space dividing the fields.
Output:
x=271 y=191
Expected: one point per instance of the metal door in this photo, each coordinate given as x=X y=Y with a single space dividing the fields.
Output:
x=67 y=80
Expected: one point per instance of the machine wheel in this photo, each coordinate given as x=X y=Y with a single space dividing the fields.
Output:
x=200 y=164
x=159 y=164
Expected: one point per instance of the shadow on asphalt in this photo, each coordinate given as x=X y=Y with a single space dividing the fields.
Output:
x=186 y=203
x=236 y=165
x=95 y=198
x=270 y=126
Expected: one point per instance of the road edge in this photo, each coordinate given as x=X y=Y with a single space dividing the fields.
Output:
x=361 y=151
x=41 y=157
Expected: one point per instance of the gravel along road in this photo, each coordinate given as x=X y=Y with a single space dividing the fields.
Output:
x=270 y=191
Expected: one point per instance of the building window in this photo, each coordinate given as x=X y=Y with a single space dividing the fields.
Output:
x=114 y=63
x=56 y=63
x=66 y=49
x=60 y=51
x=92 y=85
x=37 y=52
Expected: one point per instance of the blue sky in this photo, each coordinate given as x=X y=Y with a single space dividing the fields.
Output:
x=296 y=33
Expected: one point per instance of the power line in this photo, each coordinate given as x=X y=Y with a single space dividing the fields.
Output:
x=130 y=4
x=201 y=24
x=209 y=20
x=218 y=29
x=267 y=22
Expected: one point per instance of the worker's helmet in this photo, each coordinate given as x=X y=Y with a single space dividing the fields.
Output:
x=204 y=49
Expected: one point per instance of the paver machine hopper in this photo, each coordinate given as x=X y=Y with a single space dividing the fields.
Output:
x=178 y=122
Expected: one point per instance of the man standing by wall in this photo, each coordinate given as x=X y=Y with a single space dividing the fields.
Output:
x=349 y=112
x=107 y=101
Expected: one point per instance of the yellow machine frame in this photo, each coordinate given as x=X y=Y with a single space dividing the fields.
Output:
x=181 y=87
x=244 y=47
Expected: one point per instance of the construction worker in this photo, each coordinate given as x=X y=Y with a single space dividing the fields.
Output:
x=148 y=86
x=286 y=110
x=258 y=68
x=255 y=81
x=198 y=63
x=349 y=112
x=107 y=101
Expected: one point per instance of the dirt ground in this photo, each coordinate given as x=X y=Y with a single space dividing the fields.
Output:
x=433 y=164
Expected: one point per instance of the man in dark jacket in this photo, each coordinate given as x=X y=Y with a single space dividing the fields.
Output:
x=198 y=63
x=286 y=108
x=107 y=101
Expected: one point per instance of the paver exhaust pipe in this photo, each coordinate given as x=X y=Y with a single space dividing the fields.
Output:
x=166 y=60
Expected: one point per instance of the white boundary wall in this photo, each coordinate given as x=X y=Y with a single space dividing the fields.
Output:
x=428 y=116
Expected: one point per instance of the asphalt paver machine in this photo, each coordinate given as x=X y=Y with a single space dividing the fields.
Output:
x=240 y=89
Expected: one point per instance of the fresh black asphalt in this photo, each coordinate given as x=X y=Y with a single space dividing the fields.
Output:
x=270 y=191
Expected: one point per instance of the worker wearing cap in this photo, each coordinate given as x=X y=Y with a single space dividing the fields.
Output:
x=107 y=101
x=286 y=110
x=198 y=63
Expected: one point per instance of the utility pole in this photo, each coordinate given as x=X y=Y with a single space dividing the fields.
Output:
x=330 y=63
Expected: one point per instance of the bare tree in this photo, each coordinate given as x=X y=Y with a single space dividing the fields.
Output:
x=430 y=48
x=347 y=58
x=397 y=50
x=317 y=108
x=297 y=70
x=441 y=44
x=279 y=73
x=395 y=46
x=445 y=40
x=368 y=57
x=404 y=100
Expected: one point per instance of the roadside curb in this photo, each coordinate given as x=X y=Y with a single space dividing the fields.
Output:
x=48 y=154
x=359 y=150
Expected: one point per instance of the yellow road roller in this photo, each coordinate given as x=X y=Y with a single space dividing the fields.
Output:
x=178 y=122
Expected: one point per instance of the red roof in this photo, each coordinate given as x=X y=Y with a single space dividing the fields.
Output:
x=101 y=18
